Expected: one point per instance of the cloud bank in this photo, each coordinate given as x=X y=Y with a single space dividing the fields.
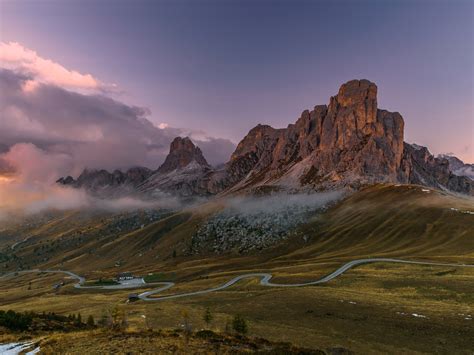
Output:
x=55 y=122
x=18 y=58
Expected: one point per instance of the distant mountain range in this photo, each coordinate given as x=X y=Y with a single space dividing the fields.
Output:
x=457 y=166
x=348 y=143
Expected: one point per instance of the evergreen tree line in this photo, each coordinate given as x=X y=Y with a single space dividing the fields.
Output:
x=21 y=321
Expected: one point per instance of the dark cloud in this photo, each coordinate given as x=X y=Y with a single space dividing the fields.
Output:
x=92 y=130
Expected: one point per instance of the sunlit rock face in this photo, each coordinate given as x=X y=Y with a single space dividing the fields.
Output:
x=348 y=142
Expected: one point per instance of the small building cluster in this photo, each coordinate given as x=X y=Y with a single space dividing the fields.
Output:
x=122 y=276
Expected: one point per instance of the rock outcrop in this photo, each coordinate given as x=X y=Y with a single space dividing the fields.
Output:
x=420 y=167
x=185 y=172
x=182 y=153
x=457 y=166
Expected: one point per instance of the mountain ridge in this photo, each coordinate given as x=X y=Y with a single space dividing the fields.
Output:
x=348 y=143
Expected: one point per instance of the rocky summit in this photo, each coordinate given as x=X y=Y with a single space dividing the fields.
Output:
x=183 y=173
x=182 y=153
x=346 y=144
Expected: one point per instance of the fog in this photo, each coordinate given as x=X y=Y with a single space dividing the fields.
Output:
x=18 y=199
x=281 y=202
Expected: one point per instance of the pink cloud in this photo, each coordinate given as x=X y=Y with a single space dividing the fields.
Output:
x=33 y=164
x=15 y=56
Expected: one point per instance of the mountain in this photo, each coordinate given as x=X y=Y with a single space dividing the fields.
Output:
x=182 y=153
x=348 y=143
x=457 y=166
x=183 y=173
x=105 y=184
x=422 y=168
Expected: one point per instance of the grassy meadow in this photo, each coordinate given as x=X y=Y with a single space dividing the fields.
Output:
x=374 y=308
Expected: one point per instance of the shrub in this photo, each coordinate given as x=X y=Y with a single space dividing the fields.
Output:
x=239 y=324
x=90 y=321
x=207 y=317
x=206 y=334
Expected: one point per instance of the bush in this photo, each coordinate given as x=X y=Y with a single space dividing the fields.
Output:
x=90 y=321
x=239 y=324
x=207 y=317
x=206 y=334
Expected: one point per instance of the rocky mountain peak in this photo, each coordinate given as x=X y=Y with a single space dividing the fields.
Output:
x=356 y=92
x=182 y=153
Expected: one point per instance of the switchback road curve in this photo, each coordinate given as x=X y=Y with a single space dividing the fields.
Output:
x=264 y=279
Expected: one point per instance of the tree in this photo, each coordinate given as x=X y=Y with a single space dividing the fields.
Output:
x=105 y=319
x=79 y=318
x=207 y=317
x=90 y=321
x=15 y=321
x=239 y=324
x=174 y=253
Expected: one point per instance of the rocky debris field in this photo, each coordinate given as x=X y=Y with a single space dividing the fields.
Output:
x=256 y=223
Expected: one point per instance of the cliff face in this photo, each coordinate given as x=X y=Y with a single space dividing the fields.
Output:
x=458 y=167
x=182 y=153
x=348 y=142
x=420 y=167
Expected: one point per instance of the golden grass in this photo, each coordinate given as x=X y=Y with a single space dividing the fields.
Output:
x=380 y=221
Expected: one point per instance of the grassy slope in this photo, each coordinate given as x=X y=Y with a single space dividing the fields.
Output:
x=383 y=220
x=402 y=221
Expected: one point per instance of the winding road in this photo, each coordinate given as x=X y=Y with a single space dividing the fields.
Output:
x=264 y=279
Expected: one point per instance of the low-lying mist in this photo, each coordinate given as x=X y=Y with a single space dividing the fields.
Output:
x=18 y=199
x=280 y=202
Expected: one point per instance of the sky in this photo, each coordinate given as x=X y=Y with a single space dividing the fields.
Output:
x=109 y=83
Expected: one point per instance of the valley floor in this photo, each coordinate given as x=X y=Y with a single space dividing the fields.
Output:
x=371 y=309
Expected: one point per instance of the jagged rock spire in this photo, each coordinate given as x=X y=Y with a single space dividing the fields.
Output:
x=182 y=153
